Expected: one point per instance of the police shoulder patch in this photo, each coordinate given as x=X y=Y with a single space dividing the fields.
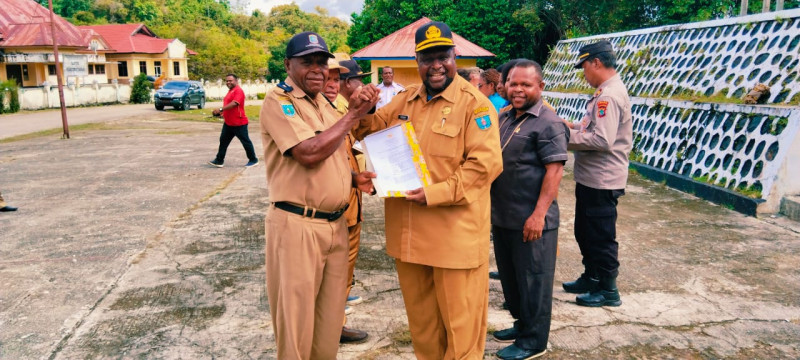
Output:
x=288 y=110
x=484 y=122
x=601 y=108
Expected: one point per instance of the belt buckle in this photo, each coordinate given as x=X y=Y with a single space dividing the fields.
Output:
x=338 y=213
x=335 y=215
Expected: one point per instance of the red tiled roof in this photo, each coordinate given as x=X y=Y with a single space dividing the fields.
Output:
x=26 y=23
x=400 y=44
x=131 y=38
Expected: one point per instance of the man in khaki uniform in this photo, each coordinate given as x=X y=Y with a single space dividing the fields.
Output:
x=353 y=213
x=309 y=184
x=437 y=234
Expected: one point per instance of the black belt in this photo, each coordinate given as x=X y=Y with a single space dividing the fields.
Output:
x=294 y=209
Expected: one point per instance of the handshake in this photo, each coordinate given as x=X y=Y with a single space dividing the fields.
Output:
x=364 y=99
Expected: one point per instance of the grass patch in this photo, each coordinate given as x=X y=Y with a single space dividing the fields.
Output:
x=73 y=128
x=401 y=336
x=161 y=295
x=111 y=338
x=205 y=115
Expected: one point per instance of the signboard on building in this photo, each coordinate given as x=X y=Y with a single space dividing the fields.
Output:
x=76 y=65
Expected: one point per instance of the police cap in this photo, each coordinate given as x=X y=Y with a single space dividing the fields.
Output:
x=306 y=43
x=433 y=34
x=593 y=49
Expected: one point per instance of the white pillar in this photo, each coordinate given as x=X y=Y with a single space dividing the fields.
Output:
x=743 y=6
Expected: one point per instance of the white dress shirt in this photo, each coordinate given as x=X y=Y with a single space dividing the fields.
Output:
x=387 y=93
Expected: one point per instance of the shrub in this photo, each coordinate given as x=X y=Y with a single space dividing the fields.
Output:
x=13 y=102
x=261 y=96
x=140 y=91
x=11 y=89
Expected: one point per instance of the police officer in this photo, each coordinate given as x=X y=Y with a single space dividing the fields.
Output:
x=525 y=215
x=309 y=183
x=437 y=234
x=602 y=141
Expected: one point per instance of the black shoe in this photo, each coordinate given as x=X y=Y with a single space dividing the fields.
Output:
x=606 y=294
x=507 y=335
x=215 y=163
x=8 y=208
x=514 y=352
x=350 y=336
x=582 y=285
x=494 y=275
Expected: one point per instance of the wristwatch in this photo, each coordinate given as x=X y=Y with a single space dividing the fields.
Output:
x=220 y=109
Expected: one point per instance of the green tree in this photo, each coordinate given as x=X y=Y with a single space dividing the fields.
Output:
x=140 y=91
x=287 y=20
x=529 y=28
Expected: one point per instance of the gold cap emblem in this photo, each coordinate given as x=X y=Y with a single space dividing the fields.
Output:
x=433 y=32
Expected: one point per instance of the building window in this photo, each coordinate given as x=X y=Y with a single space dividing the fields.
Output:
x=25 y=73
x=99 y=69
x=51 y=70
x=122 y=68
x=177 y=68
x=157 y=67
x=143 y=67
x=91 y=69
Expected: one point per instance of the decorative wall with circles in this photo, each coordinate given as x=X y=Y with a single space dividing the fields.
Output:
x=738 y=147
x=686 y=83
x=713 y=59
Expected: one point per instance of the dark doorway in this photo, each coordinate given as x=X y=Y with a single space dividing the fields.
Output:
x=14 y=72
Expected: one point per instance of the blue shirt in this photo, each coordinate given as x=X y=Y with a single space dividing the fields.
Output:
x=498 y=101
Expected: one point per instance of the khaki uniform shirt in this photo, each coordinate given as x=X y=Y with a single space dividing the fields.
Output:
x=604 y=138
x=458 y=136
x=288 y=118
x=353 y=213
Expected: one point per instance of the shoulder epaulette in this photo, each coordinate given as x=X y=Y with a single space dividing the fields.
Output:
x=285 y=87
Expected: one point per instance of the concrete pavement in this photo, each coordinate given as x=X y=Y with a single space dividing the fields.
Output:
x=127 y=246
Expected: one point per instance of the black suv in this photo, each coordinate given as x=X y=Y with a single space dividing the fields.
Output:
x=181 y=95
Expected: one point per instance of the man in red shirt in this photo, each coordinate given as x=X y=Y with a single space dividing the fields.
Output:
x=232 y=111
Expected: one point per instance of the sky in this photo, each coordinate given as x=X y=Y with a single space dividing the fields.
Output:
x=339 y=8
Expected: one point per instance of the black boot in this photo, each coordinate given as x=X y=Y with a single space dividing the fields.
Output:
x=584 y=284
x=606 y=294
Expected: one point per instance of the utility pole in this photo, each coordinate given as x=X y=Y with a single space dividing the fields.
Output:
x=743 y=8
x=59 y=73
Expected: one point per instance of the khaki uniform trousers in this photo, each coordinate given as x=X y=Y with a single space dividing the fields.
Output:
x=306 y=261
x=353 y=240
x=447 y=310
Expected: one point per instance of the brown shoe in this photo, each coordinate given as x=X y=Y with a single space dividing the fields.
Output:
x=350 y=336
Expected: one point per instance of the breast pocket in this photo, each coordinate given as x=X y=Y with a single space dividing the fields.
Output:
x=515 y=150
x=444 y=140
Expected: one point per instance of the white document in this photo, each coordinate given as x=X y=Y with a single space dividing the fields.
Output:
x=390 y=156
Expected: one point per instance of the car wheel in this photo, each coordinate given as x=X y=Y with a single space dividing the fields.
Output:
x=159 y=107
x=185 y=104
x=202 y=103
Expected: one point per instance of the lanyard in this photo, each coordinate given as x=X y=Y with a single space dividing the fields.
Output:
x=516 y=130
